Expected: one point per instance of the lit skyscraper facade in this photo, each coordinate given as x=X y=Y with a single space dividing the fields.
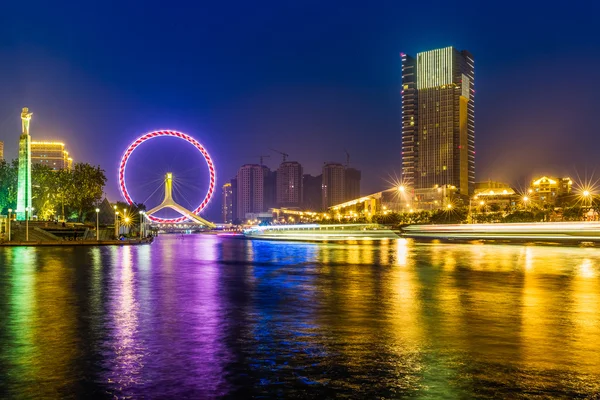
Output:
x=438 y=120
x=24 y=177
x=1 y=151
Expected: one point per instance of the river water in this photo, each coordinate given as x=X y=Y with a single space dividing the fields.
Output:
x=208 y=317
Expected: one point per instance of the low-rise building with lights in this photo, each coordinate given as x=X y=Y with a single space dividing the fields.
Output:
x=499 y=195
x=546 y=190
x=51 y=154
x=401 y=199
x=287 y=215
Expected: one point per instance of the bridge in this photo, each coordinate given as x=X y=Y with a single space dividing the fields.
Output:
x=169 y=202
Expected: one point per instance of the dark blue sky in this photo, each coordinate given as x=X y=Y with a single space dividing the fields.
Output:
x=311 y=78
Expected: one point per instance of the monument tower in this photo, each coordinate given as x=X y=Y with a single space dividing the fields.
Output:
x=24 y=179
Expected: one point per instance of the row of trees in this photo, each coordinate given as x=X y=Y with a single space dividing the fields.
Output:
x=68 y=193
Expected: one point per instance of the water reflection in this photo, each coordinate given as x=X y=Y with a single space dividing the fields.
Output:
x=206 y=317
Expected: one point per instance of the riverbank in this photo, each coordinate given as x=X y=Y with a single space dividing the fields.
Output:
x=31 y=243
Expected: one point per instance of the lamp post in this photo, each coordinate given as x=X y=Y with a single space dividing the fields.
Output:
x=586 y=195
x=116 y=224
x=141 y=224
x=97 y=224
x=116 y=213
x=9 y=215
x=525 y=200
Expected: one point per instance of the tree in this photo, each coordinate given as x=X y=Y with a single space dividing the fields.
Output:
x=44 y=194
x=8 y=185
x=573 y=213
x=86 y=188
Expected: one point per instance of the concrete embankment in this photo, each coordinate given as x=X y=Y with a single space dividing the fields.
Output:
x=77 y=243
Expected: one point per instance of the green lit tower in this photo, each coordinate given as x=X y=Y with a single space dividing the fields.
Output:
x=24 y=181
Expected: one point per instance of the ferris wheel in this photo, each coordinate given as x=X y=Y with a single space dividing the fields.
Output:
x=168 y=201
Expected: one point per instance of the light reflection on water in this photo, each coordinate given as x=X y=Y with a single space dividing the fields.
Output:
x=208 y=317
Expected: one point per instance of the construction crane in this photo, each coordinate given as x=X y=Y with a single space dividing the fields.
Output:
x=261 y=158
x=284 y=155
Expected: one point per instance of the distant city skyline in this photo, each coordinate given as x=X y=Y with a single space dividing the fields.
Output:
x=329 y=80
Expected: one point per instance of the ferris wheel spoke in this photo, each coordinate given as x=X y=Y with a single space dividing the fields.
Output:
x=183 y=197
x=151 y=194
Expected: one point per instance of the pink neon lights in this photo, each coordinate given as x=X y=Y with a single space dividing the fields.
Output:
x=183 y=136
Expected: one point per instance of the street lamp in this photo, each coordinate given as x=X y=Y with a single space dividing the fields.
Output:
x=401 y=188
x=141 y=224
x=97 y=224
x=116 y=223
x=587 y=195
x=525 y=200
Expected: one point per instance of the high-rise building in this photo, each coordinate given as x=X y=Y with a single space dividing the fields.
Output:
x=351 y=184
x=312 y=192
x=438 y=120
x=51 y=154
x=24 y=174
x=333 y=184
x=234 y=197
x=289 y=185
x=250 y=190
x=269 y=188
x=227 y=203
x=1 y=151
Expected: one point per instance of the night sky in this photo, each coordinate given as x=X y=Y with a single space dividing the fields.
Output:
x=311 y=78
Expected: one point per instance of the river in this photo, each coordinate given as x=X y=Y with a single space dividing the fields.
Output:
x=210 y=317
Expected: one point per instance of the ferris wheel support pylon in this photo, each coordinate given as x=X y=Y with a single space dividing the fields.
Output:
x=168 y=202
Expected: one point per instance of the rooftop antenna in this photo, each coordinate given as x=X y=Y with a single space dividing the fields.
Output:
x=347 y=158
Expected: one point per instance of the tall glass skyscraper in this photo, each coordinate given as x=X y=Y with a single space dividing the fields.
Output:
x=438 y=120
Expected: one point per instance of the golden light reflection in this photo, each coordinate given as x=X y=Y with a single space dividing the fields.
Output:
x=55 y=330
x=127 y=347
x=401 y=252
x=543 y=314
x=585 y=318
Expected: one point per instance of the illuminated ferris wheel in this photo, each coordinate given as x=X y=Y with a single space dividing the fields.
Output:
x=168 y=201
